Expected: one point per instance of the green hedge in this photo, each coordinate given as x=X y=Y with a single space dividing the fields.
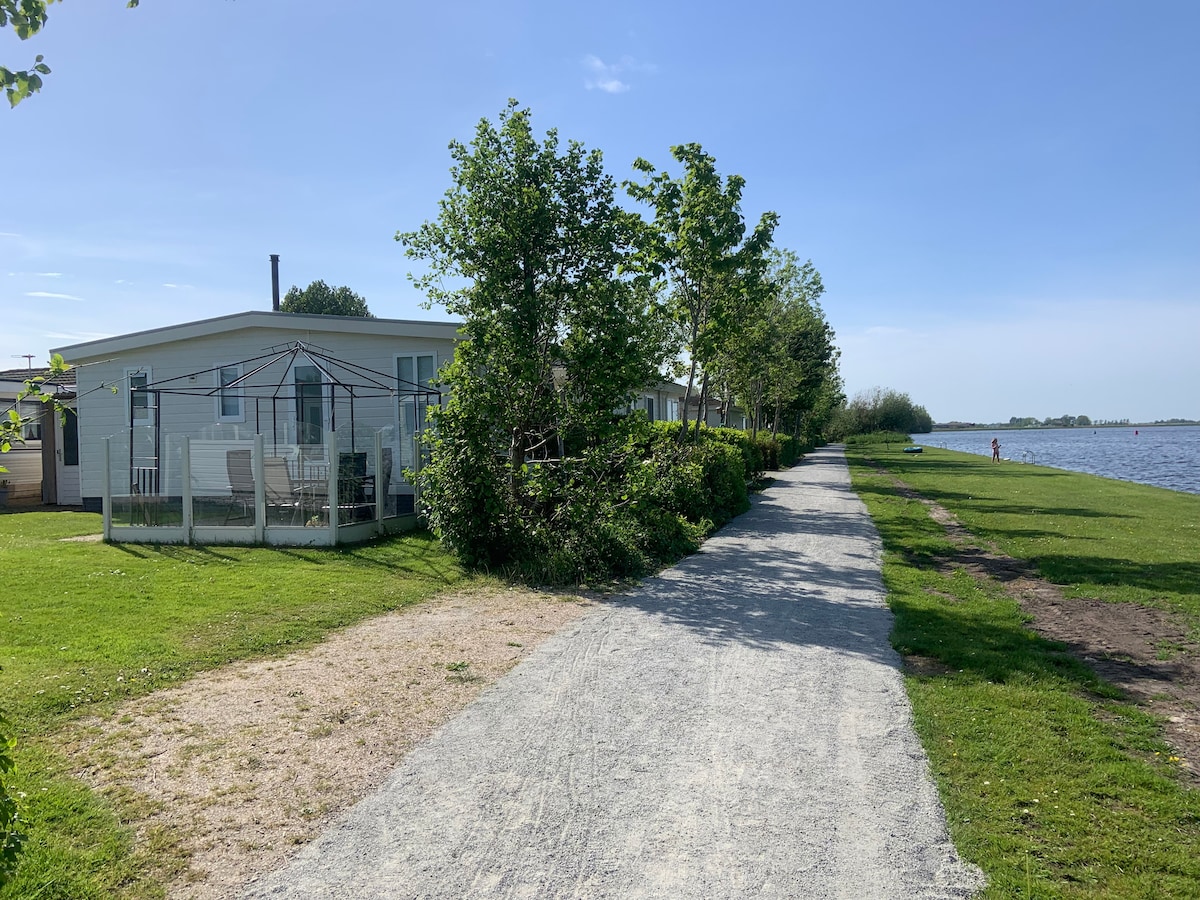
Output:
x=877 y=437
x=618 y=511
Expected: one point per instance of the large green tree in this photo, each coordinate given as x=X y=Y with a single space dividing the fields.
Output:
x=321 y=299
x=883 y=409
x=27 y=18
x=699 y=242
x=559 y=333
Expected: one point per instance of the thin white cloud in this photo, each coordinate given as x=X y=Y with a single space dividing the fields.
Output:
x=77 y=337
x=168 y=284
x=608 y=77
x=179 y=287
x=11 y=234
x=48 y=274
x=52 y=296
x=122 y=281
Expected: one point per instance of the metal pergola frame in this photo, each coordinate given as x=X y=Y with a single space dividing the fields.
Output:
x=353 y=380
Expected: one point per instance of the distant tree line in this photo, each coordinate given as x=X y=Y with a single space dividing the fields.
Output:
x=880 y=410
x=1064 y=421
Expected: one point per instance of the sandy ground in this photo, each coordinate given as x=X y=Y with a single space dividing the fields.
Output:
x=735 y=727
x=246 y=763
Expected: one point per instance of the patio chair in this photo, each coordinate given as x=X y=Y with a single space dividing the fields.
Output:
x=281 y=493
x=241 y=483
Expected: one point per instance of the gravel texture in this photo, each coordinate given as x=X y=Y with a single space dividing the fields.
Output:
x=736 y=727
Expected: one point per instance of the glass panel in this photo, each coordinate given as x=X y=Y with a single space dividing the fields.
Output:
x=309 y=405
x=141 y=510
x=424 y=370
x=413 y=410
x=222 y=483
x=139 y=400
x=404 y=372
x=231 y=402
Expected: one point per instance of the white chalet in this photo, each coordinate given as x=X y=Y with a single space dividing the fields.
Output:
x=264 y=427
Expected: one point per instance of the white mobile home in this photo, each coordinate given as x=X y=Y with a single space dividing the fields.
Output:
x=260 y=426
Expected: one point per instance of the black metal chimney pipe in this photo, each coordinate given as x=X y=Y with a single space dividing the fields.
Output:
x=275 y=282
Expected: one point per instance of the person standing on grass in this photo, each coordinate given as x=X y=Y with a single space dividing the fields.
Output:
x=995 y=450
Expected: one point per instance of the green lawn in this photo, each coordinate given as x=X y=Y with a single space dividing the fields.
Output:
x=1052 y=784
x=85 y=625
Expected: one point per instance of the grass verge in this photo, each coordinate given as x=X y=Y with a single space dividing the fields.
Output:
x=1052 y=784
x=86 y=625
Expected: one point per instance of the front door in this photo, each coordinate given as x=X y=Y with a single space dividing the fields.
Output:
x=66 y=461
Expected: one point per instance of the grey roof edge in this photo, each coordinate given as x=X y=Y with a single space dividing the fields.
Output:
x=166 y=334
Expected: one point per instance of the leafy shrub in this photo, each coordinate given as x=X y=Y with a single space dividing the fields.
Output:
x=790 y=451
x=11 y=838
x=753 y=463
x=611 y=510
x=724 y=481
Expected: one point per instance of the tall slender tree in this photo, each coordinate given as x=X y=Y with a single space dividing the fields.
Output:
x=700 y=244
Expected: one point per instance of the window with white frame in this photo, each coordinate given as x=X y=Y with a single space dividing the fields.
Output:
x=672 y=410
x=415 y=374
x=31 y=414
x=230 y=406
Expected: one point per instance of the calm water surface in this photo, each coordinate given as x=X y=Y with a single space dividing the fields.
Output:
x=1165 y=456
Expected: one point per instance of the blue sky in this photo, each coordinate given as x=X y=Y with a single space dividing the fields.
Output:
x=1003 y=198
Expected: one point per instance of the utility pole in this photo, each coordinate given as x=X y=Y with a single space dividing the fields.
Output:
x=28 y=357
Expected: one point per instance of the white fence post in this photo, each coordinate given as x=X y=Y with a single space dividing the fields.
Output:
x=185 y=472
x=106 y=508
x=332 y=455
x=260 y=491
x=380 y=485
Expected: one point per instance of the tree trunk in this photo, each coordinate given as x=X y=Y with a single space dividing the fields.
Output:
x=687 y=396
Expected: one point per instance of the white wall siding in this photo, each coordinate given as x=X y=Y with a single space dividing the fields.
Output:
x=104 y=414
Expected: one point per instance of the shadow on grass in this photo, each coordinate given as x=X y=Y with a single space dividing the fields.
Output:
x=1168 y=577
x=178 y=552
x=985 y=641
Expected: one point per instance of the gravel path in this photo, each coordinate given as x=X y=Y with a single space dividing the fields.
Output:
x=736 y=727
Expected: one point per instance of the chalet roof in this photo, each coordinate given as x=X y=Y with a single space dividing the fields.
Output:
x=20 y=376
x=291 y=323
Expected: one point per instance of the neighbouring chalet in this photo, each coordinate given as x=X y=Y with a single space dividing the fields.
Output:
x=44 y=466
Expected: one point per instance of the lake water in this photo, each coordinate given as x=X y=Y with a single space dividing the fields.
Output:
x=1165 y=456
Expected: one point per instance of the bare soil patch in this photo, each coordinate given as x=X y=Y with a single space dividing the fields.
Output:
x=234 y=769
x=1144 y=651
